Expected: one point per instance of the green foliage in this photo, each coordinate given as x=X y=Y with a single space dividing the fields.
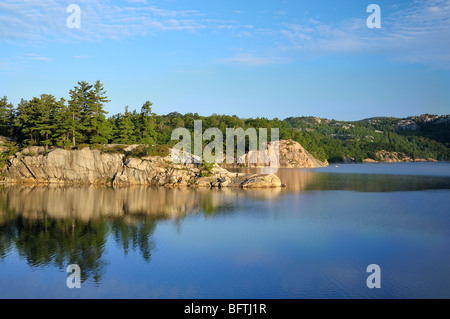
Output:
x=125 y=133
x=9 y=148
x=6 y=117
x=206 y=169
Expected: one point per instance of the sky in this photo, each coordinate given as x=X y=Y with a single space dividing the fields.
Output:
x=248 y=58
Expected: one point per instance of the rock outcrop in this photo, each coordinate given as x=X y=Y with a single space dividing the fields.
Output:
x=61 y=166
x=396 y=157
x=93 y=167
x=291 y=155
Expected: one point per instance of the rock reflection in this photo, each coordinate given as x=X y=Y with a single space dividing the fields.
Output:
x=58 y=226
x=88 y=203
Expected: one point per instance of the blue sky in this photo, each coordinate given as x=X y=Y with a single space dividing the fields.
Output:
x=249 y=58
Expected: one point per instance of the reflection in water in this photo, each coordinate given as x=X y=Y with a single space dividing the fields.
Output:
x=376 y=183
x=70 y=225
x=300 y=180
x=52 y=225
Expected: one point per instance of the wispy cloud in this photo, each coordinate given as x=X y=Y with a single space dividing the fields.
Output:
x=416 y=33
x=33 y=57
x=37 y=21
x=251 y=59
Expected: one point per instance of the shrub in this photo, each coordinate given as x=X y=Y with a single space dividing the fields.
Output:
x=115 y=149
x=159 y=150
x=205 y=169
x=96 y=146
x=81 y=146
x=138 y=152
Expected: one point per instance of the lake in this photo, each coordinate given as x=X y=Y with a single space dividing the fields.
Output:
x=313 y=238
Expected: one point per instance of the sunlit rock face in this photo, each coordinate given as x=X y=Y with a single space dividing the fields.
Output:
x=93 y=167
x=290 y=155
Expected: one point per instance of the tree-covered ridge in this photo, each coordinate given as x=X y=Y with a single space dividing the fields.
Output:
x=82 y=120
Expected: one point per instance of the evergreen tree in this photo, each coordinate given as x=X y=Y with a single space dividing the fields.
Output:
x=148 y=133
x=62 y=118
x=6 y=117
x=97 y=128
x=79 y=104
x=125 y=132
x=27 y=119
x=44 y=119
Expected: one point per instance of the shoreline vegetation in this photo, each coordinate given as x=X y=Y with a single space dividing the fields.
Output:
x=44 y=139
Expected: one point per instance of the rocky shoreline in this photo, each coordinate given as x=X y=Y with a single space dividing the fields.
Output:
x=390 y=157
x=118 y=165
x=33 y=165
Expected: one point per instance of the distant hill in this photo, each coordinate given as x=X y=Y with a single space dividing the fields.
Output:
x=425 y=136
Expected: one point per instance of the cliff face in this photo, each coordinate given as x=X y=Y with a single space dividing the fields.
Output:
x=291 y=155
x=92 y=167
x=61 y=166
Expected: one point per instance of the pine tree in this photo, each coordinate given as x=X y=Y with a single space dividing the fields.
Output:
x=97 y=128
x=125 y=133
x=27 y=119
x=147 y=118
x=62 y=118
x=79 y=104
x=44 y=119
x=6 y=117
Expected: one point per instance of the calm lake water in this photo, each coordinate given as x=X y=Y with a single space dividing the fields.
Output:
x=312 y=239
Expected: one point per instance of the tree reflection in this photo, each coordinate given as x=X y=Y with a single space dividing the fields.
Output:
x=59 y=242
x=135 y=236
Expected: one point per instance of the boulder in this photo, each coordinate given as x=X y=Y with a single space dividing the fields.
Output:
x=261 y=181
